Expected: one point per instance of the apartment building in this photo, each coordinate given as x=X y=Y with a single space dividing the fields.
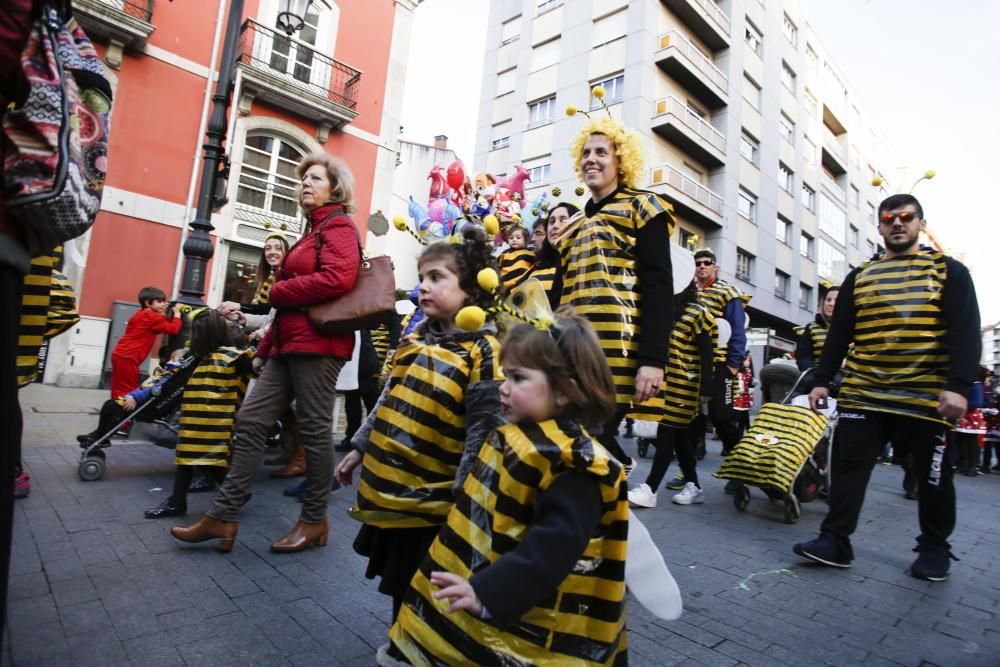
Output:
x=750 y=130
x=991 y=347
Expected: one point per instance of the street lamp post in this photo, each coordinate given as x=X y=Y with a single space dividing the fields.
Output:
x=198 y=248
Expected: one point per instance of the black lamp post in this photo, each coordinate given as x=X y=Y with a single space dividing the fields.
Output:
x=198 y=247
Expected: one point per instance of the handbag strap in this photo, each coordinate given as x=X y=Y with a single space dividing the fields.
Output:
x=319 y=238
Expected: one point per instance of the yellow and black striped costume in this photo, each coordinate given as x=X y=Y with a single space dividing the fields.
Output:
x=600 y=281
x=516 y=266
x=546 y=275
x=900 y=360
x=418 y=435
x=582 y=622
x=679 y=400
x=816 y=331
x=260 y=297
x=715 y=297
x=380 y=341
x=48 y=308
x=212 y=396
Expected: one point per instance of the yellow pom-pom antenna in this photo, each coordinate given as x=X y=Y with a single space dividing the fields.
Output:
x=929 y=174
x=571 y=110
x=491 y=225
x=470 y=318
x=598 y=92
x=399 y=222
x=877 y=181
x=488 y=279
x=545 y=204
x=556 y=191
x=516 y=219
x=579 y=191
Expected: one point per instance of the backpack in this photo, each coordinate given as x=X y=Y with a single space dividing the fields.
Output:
x=56 y=141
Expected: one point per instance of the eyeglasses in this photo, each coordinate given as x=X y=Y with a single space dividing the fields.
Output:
x=904 y=217
x=704 y=262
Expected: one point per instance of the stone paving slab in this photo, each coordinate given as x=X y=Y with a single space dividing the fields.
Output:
x=93 y=582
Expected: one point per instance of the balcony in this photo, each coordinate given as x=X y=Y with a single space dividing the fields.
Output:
x=124 y=23
x=679 y=58
x=831 y=186
x=705 y=19
x=834 y=155
x=691 y=199
x=296 y=77
x=681 y=126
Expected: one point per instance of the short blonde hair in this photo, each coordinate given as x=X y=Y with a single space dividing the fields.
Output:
x=339 y=174
x=628 y=148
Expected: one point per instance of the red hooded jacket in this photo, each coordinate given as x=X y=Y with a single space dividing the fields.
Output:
x=302 y=282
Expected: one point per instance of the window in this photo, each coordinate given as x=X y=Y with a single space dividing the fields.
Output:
x=832 y=219
x=541 y=112
x=746 y=206
x=749 y=148
x=296 y=56
x=241 y=274
x=540 y=174
x=855 y=196
x=786 y=178
x=614 y=91
x=809 y=101
x=811 y=57
x=548 y=5
x=781 y=285
x=807 y=246
x=783 y=230
x=267 y=177
x=809 y=150
x=684 y=236
x=831 y=264
x=744 y=266
x=786 y=128
x=870 y=207
x=502 y=142
x=510 y=30
x=544 y=55
x=805 y=296
x=505 y=82
x=754 y=38
x=789 y=30
x=870 y=247
x=609 y=28
x=751 y=92
x=787 y=76
x=808 y=198
x=853 y=236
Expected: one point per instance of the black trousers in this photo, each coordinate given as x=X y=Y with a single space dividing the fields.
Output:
x=671 y=440
x=367 y=392
x=184 y=475
x=728 y=422
x=609 y=437
x=857 y=446
x=11 y=286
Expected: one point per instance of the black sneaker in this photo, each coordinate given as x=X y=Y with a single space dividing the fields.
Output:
x=824 y=550
x=932 y=563
x=166 y=509
x=201 y=484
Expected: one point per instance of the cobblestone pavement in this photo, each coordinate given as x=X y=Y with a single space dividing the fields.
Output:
x=93 y=582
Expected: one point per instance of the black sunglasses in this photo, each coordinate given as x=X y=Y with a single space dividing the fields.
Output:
x=704 y=262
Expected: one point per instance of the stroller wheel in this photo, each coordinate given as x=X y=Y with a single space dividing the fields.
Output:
x=91 y=468
x=792 y=508
x=741 y=498
x=642 y=445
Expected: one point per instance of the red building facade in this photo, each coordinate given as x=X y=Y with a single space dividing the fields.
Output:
x=335 y=86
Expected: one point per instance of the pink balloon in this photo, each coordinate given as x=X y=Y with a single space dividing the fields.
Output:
x=456 y=175
x=436 y=208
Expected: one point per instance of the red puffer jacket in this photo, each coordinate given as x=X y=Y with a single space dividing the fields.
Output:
x=301 y=283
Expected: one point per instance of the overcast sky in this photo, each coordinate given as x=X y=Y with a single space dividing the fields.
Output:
x=927 y=71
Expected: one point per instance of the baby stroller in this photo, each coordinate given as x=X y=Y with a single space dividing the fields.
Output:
x=786 y=450
x=160 y=411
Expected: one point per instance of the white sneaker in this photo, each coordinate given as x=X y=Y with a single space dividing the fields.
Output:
x=689 y=495
x=630 y=466
x=642 y=496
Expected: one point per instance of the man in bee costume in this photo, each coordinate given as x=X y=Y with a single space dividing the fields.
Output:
x=912 y=315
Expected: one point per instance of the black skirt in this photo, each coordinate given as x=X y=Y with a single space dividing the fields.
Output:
x=394 y=554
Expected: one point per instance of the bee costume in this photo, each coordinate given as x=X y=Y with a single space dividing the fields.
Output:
x=487 y=539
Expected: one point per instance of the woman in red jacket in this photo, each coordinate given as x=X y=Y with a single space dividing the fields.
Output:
x=295 y=362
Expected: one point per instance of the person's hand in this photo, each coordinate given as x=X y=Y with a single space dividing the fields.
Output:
x=255 y=336
x=346 y=467
x=258 y=365
x=816 y=395
x=647 y=382
x=129 y=402
x=176 y=311
x=459 y=591
x=952 y=405
x=227 y=307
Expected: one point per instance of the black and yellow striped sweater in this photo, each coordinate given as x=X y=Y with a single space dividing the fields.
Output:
x=516 y=266
x=441 y=400
x=48 y=308
x=914 y=323
x=809 y=345
x=581 y=621
x=617 y=275
x=212 y=397
x=715 y=297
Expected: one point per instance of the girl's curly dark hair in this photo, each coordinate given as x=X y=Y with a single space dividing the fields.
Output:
x=466 y=259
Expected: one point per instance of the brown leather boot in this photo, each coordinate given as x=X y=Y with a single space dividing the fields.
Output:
x=294 y=468
x=282 y=459
x=302 y=536
x=208 y=528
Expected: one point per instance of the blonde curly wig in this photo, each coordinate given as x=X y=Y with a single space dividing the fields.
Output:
x=628 y=148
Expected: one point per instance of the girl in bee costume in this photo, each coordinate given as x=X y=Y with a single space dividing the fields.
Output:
x=440 y=402
x=545 y=503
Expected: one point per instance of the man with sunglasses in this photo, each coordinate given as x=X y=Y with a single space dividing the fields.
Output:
x=912 y=315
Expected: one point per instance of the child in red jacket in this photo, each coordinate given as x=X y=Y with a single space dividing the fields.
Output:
x=140 y=334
